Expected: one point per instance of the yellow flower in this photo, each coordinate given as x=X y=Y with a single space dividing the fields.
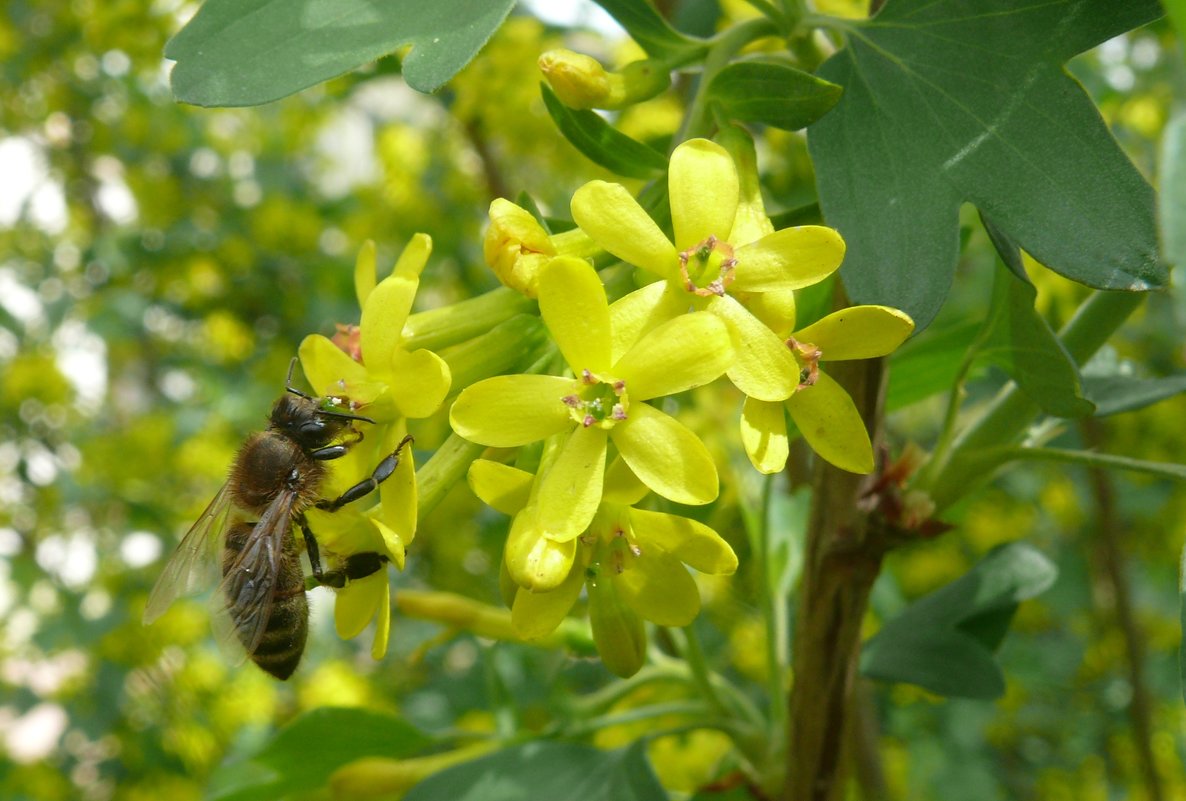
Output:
x=704 y=269
x=367 y=369
x=602 y=401
x=823 y=412
x=582 y=83
x=632 y=561
x=516 y=246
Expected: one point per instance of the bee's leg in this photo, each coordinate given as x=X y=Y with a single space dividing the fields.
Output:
x=358 y=565
x=381 y=473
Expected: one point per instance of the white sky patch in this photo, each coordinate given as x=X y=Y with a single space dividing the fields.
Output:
x=81 y=358
x=72 y=560
x=28 y=190
x=346 y=147
x=35 y=734
x=19 y=300
x=140 y=548
x=576 y=13
x=113 y=196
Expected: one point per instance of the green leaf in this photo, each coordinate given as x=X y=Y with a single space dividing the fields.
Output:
x=946 y=102
x=946 y=662
x=601 y=142
x=543 y=769
x=941 y=642
x=773 y=94
x=1022 y=342
x=302 y=756
x=647 y=27
x=247 y=52
x=1173 y=189
x=1115 y=393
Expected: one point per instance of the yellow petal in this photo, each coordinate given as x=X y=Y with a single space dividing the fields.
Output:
x=398 y=493
x=832 y=426
x=419 y=382
x=704 y=190
x=383 y=623
x=572 y=303
x=329 y=370
x=621 y=485
x=356 y=603
x=536 y=562
x=383 y=319
x=614 y=220
x=666 y=456
x=641 y=311
x=365 y=271
x=500 y=486
x=658 y=587
x=764 y=435
x=689 y=351
x=691 y=542
x=763 y=366
x=414 y=257
x=571 y=490
x=510 y=410
x=860 y=332
x=775 y=309
x=537 y=614
x=393 y=544
x=788 y=259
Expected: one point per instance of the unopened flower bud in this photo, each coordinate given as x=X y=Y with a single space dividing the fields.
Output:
x=516 y=246
x=582 y=83
x=618 y=630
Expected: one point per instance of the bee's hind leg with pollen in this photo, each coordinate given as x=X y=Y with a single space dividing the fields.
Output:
x=381 y=473
x=356 y=566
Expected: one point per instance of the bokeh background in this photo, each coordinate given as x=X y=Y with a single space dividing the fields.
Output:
x=159 y=265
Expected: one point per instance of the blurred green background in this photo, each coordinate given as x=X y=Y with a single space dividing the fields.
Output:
x=159 y=265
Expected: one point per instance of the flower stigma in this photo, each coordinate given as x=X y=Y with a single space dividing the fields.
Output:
x=713 y=261
x=808 y=356
x=599 y=403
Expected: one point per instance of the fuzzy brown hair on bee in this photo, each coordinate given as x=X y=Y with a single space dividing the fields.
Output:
x=260 y=608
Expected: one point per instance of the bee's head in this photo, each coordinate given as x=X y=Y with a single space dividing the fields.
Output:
x=306 y=421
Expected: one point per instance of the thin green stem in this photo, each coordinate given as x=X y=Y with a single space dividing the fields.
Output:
x=699 y=118
x=1093 y=459
x=693 y=653
x=774 y=605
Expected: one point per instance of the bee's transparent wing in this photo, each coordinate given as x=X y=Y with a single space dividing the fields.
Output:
x=243 y=603
x=192 y=565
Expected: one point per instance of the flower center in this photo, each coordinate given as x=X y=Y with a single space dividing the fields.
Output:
x=599 y=402
x=807 y=355
x=707 y=268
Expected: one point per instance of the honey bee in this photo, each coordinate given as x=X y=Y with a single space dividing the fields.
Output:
x=260 y=609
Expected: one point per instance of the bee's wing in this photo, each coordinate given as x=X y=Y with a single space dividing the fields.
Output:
x=243 y=603
x=192 y=565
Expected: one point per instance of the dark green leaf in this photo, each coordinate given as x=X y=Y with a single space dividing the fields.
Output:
x=647 y=27
x=1173 y=190
x=773 y=94
x=1115 y=394
x=602 y=143
x=1023 y=344
x=946 y=662
x=544 y=769
x=304 y=754
x=247 y=52
x=941 y=642
x=948 y=102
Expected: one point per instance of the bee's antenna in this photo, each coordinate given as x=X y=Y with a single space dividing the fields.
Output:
x=288 y=381
x=346 y=416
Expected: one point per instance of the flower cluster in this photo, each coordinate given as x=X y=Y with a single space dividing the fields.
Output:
x=366 y=367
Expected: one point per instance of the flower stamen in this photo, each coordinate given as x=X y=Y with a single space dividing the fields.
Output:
x=808 y=356
x=701 y=257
